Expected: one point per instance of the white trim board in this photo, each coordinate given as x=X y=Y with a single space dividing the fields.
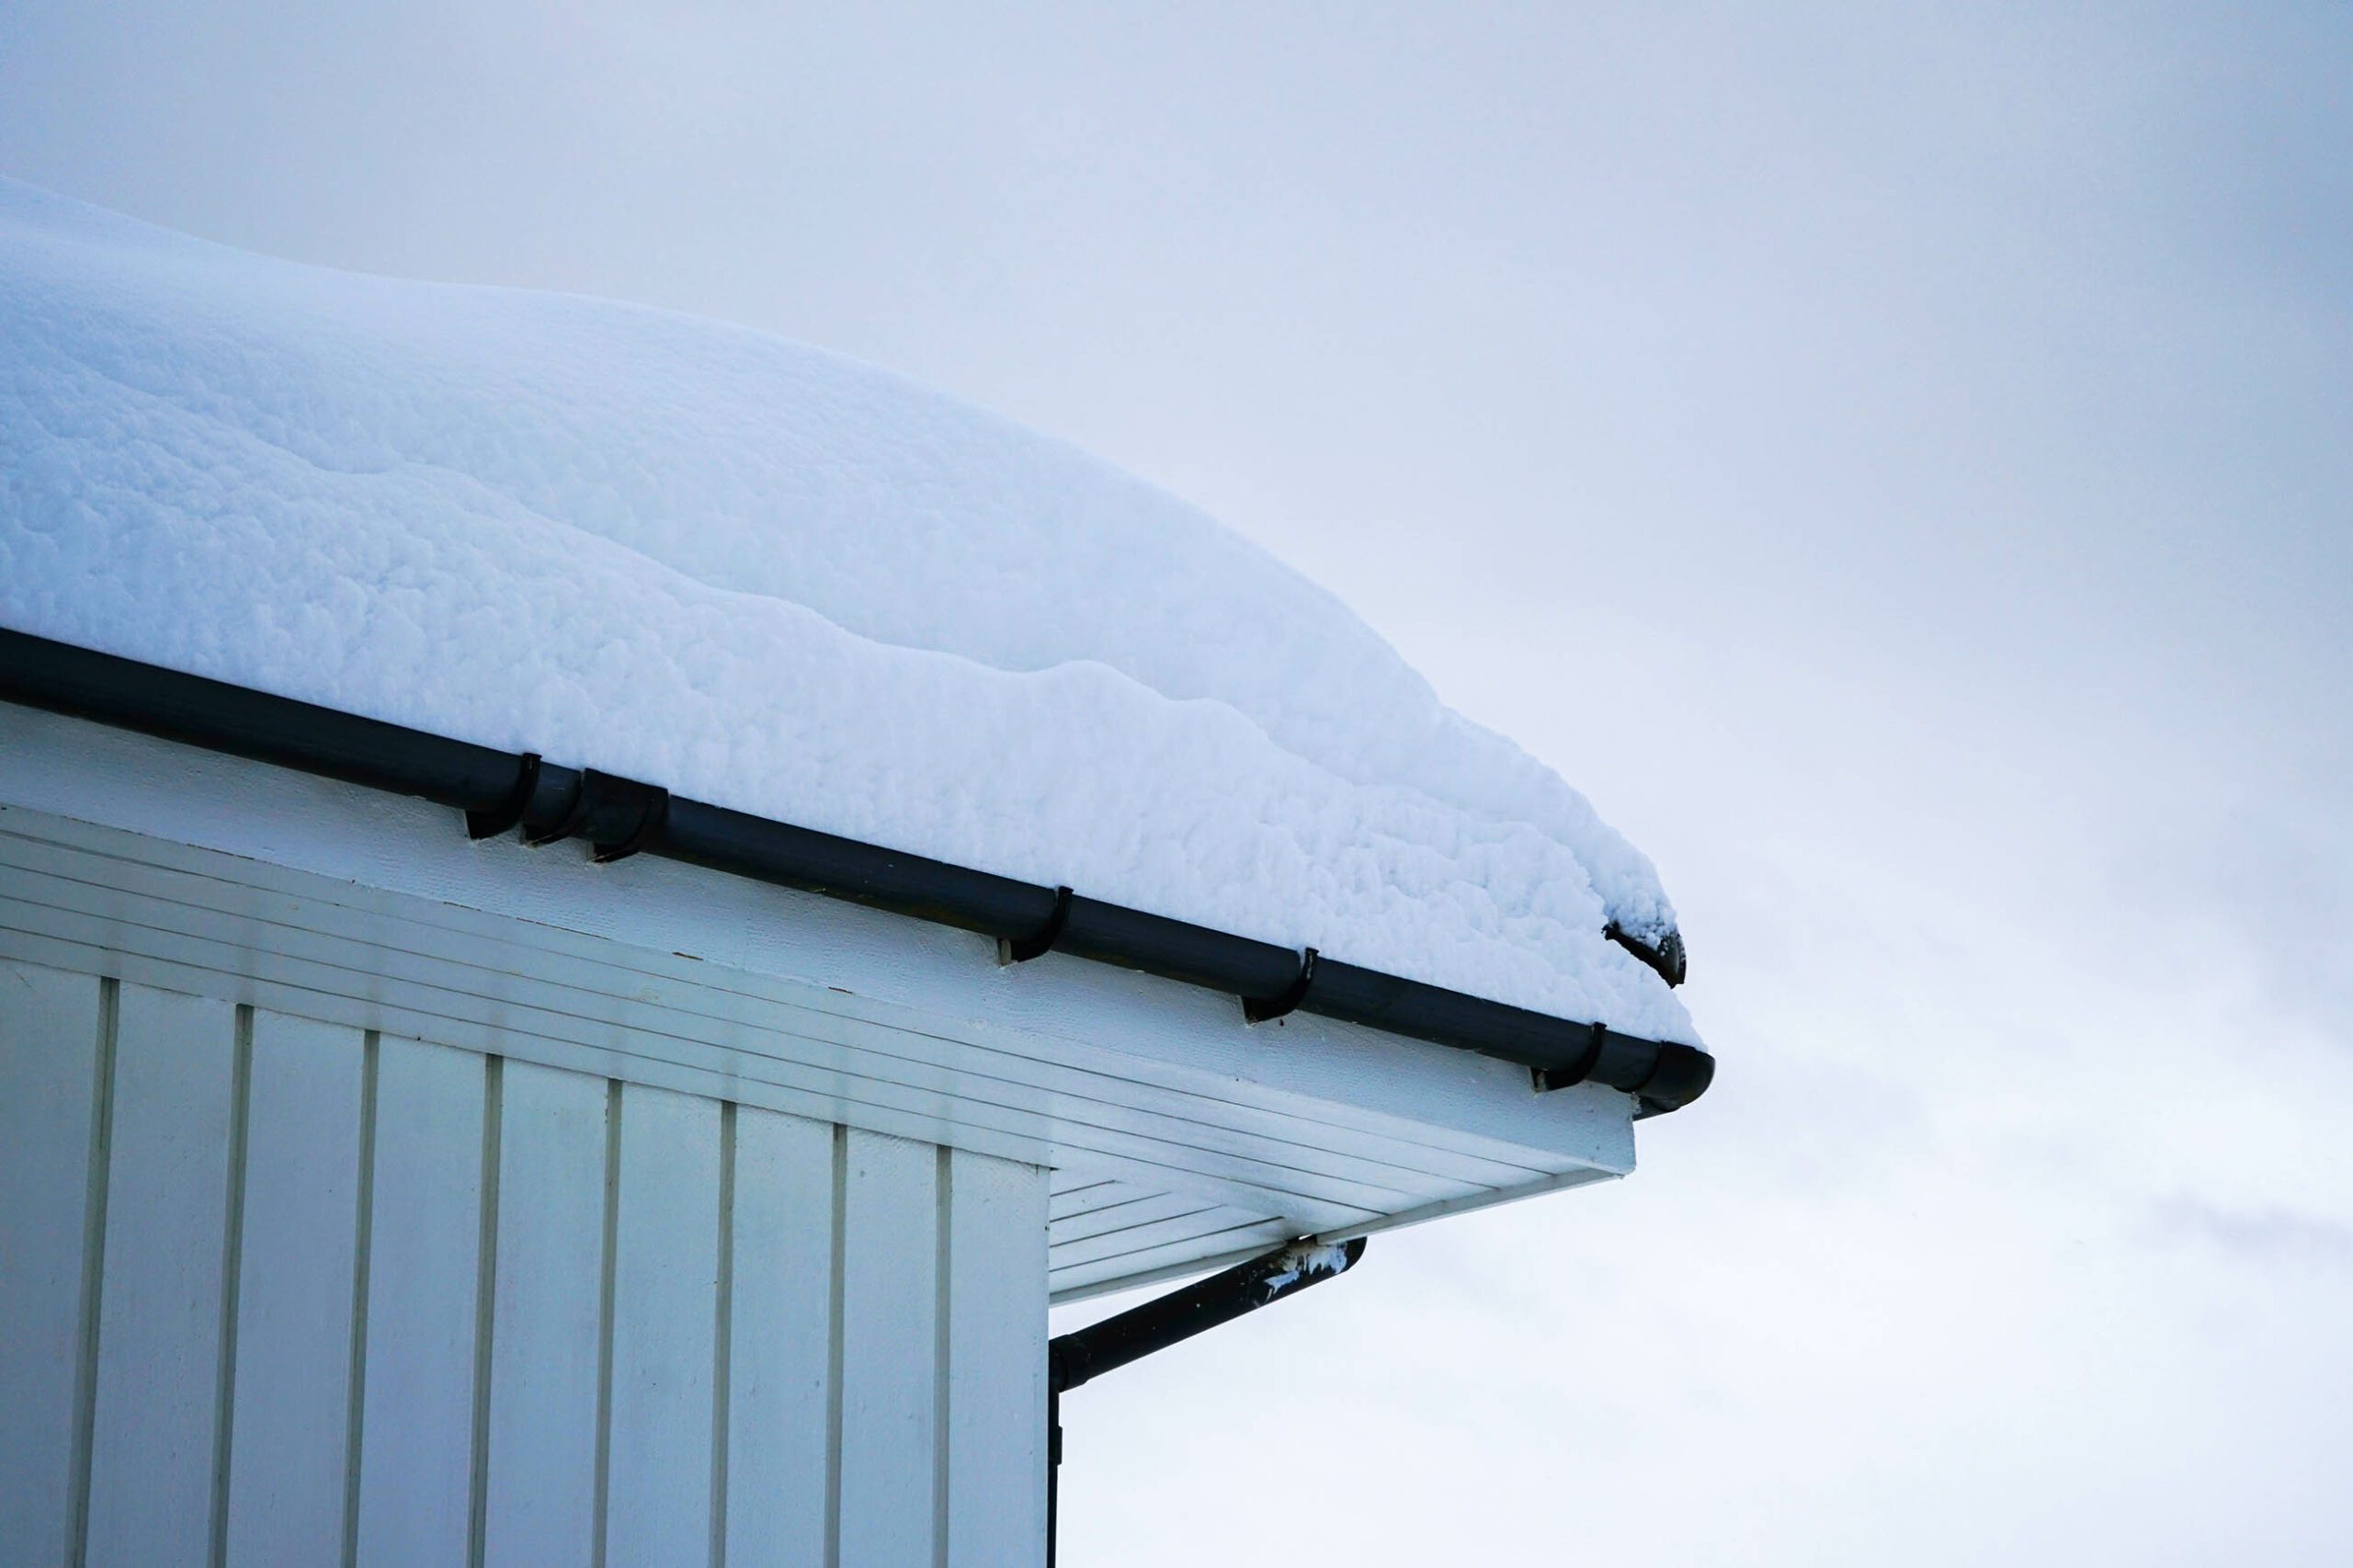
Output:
x=1180 y=1136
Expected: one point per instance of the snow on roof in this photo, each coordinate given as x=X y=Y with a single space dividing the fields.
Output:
x=772 y=578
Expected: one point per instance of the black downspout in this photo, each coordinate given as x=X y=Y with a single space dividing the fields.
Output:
x=1086 y=1354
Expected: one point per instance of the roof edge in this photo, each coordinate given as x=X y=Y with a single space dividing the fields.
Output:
x=501 y=791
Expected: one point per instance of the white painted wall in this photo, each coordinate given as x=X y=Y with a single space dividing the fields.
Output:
x=370 y=1196
x=282 y=1291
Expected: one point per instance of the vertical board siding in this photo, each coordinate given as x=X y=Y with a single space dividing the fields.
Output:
x=666 y=1269
x=889 y=1375
x=291 y=1416
x=997 y=1297
x=247 y=1286
x=49 y=1105
x=417 y=1395
x=780 y=1338
x=154 y=1427
x=547 y=1328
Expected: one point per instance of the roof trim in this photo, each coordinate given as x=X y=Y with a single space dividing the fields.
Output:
x=499 y=789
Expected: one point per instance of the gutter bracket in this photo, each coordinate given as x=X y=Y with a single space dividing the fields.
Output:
x=1037 y=943
x=509 y=812
x=1260 y=1009
x=575 y=818
x=653 y=814
x=1551 y=1079
x=620 y=816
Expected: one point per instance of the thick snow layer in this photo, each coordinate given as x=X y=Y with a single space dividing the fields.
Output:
x=768 y=577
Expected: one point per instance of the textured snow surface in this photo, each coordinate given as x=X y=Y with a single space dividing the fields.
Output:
x=768 y=577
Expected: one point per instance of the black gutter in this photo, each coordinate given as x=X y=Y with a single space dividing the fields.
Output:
x=1080 y=1357
x=619 y=817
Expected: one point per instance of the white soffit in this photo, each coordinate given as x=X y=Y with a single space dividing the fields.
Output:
x=1178 y=1136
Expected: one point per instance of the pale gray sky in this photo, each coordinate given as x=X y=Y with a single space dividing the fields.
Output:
x=1899 y=461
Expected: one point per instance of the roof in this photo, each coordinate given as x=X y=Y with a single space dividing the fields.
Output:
x=786 y=589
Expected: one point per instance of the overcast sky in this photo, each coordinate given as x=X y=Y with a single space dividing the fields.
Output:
x=1898 y=462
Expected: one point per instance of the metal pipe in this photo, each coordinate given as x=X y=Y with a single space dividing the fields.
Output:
x=1086 y=1354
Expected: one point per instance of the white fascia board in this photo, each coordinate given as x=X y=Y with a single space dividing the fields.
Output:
x=1303 y=1125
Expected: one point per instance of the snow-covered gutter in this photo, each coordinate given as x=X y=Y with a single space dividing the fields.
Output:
x=500 y=792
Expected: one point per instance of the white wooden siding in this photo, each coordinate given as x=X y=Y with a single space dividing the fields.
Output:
x=157 y=1463
x=779 y=1356
x=662 y=1351
x=991 y=1244
x=287 y=1397
x=371 y=1198
x=417 y=1333
x=53 y=1079
x=279 y=1290
x=890 y=1328
x=546 y=1286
